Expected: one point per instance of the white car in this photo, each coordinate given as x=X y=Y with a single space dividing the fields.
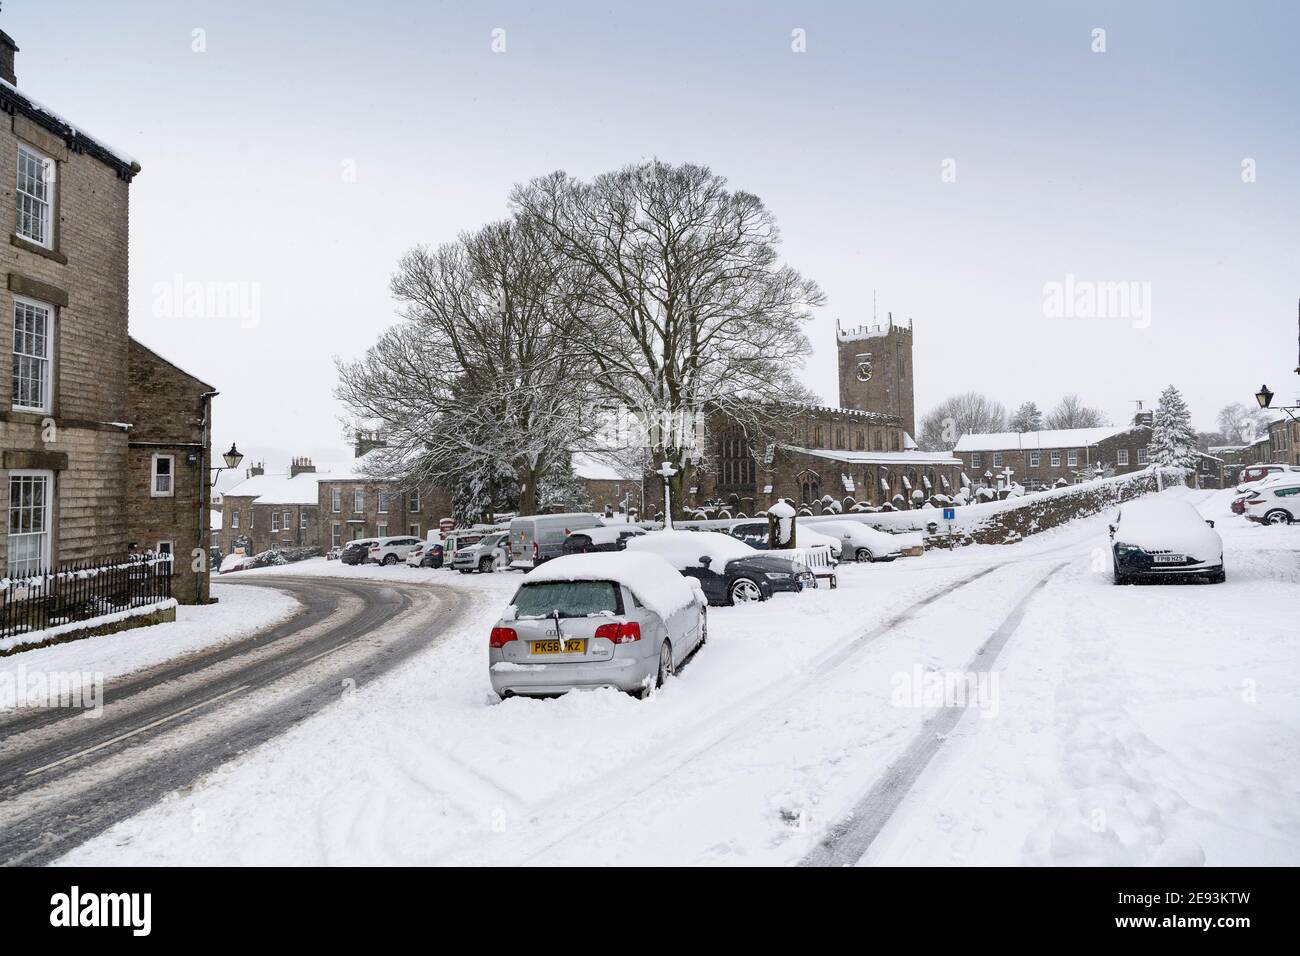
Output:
x=754 y=534
x=392 y=550
x=859 y=541
x=1274 y=502
x=1252 y=475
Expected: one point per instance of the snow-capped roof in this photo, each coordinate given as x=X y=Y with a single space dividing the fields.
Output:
x=592 y=467
x=1032 y=441
x=64 y=128
x=878 y=457
x=653 y=580
x=280 y=489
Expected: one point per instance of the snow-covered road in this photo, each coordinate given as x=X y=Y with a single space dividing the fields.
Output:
x=1117 y=731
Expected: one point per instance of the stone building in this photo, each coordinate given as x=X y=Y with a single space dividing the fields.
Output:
x=861 y=452
x=268 y=511
x=353 y=505
x=72 y=474
x=1040 y=459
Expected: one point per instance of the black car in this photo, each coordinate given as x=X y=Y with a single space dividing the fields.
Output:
x=589 y=540
x=726 y=579
x=753 y=533
x=357 y=552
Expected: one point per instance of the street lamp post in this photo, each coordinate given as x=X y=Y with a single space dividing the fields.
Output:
x=666 y=472
x=232 y=459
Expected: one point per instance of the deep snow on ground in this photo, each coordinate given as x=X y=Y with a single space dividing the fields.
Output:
x=1125 y=701
x=237 y=613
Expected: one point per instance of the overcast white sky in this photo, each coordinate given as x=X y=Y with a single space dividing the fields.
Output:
x=1117 y=166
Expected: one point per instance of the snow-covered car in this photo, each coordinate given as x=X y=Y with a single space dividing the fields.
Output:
x=426 y=554
x=1253 y=473
x=356 y=552
x=1274 y=502
x=487 y=554
x=622 y=620
x=1160 y=537
x=391 y=550
x=605 y=538
x=729 y=571
x=754 y=534
x=860 y=542
x=535 y=539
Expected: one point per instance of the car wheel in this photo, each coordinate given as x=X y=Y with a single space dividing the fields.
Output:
x=863 y=556
x=1277 y=516
x=744 y=590
x=465 y=570
x=1121 y=577
x=389 y=559
x=664 y=672
x=704 y=627
x=485 y=566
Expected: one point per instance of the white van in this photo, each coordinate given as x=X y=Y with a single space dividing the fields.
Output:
x=538 y=538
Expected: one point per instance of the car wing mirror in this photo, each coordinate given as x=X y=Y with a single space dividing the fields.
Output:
x=1112 y=530
x=705 y=561
x=1209 y=522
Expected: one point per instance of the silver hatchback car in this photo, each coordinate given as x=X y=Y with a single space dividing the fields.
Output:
x=610 y=619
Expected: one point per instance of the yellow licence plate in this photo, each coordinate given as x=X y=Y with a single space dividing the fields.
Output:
x=571 y=646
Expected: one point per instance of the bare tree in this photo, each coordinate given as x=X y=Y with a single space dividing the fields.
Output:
x=483 y=380
x=686 y=307
x=969 y=412
x=1070 y=412
x=1239 y=423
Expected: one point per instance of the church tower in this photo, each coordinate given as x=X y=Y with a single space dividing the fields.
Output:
x=875 y=365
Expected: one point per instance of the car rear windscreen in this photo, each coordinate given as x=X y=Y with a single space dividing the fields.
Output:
x=570 y=598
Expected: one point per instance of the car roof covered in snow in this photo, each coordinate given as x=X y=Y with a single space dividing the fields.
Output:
x=683 y=549
x=1160 y=521
x=653 y=581
x=607 y=534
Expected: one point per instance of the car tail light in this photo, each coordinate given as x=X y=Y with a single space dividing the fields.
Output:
x=624 y=633
x=501 y=636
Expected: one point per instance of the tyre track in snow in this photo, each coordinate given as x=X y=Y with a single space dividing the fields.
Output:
x=89 y=775
x=847 y=841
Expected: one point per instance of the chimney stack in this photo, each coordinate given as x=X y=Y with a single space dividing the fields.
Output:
x=256 y=471
x=301 y=466
x=368 y=442
x=7 y=50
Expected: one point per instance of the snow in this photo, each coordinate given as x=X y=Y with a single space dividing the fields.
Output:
x=1051 y=438
x=683 y=549
x=1164 y=522
x=239 y=611
x=652 y=580
x=280 y=489
x=860 y=535
x=878 y=457
x=592 y=467
x=607 y=534
x=1144 y=725
x=102 y=620
x=125 y=158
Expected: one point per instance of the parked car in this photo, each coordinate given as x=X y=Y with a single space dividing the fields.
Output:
x=1159 y=537
x=607 y=538
x=754 y=534
x=426 y=554
x=356 y=552
x=859 y=541
x=489 y=553
x=729 y=571
x=1253 y=473
x=538 y=538
x=622 y=620
x=392 y=549
x=1274 y=502
x=456 y=540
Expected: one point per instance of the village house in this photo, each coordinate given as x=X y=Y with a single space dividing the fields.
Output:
x=266 y=511
x=1041 y=459
x=103 y=444
x=352 y=504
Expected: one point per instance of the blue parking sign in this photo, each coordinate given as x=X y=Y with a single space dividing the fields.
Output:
x=949 y=514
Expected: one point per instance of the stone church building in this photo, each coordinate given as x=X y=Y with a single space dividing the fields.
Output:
x=861 y=450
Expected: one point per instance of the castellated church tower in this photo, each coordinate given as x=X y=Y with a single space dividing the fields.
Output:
x=875 y=365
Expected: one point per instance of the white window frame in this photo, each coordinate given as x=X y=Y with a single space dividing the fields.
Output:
x=1034 y=458
x=234 y=520
x=381 y=529
x=47 y=381
x=358 y=500
x=336 y=500
x=382 y=504
x=336 y=535
x=1142 y=455
x=170 y=476
x=997 y=459
x=42 y=560
x=1056 y=459
x=170 y=552
x=413 y=530
x=302 y=521
x=275 y=521
x=1072 y=458
x=43 y=204
x=287 y=523
x=1121 y=456
x=413 y=502
x=976 y=459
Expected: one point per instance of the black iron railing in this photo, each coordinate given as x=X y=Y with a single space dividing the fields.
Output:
x=82 y=592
